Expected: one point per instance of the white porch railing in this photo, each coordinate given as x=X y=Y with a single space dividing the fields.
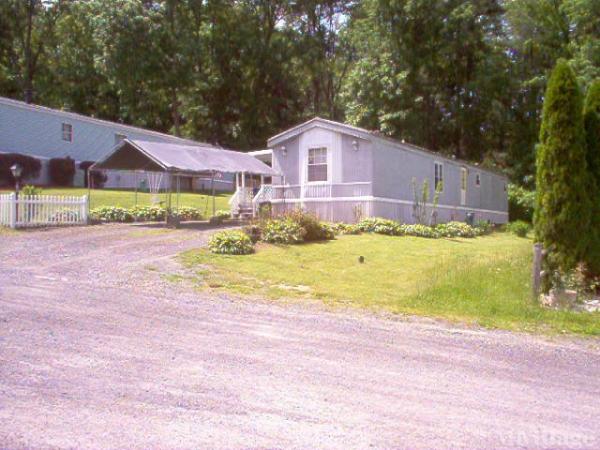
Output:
x=321 y=191
x=42 y=210
x=264 y=194
x=241 y=198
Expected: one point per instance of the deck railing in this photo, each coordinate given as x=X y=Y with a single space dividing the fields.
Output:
x=321 y=191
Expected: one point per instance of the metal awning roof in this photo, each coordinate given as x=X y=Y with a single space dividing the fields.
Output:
x=135 y=154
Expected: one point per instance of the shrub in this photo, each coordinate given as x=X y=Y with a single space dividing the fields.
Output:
x=188 y=213
x=345 y=228
x=591 y=117
x=283 y=231
x=97 y=178
x=31 y=167
x=253 y=231
x=222 y=214
x=456 y=229
x=112 y=214
x=483 y=227
x=62 y=171
x=419 y=230
x=562 y=213
x=231 y=242
x=381 y=226
x=518 y=227
x=142 y=214
x=30 y=190
x=314 y=230
x=521 y=203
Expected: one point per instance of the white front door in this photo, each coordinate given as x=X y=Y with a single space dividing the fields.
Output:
x=463 y=185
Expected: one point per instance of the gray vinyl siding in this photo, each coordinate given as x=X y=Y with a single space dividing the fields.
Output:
x=357 y=165
x=39 y=133
x=288 y=165
x=394 y=169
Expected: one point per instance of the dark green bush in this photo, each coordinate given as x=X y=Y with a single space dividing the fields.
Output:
x=380 y=226
x=345 y=228
x=521 y=203
x=518 y=227
x=456 y=229
x=31 y=167
x=62 y=171
x=97 y=178
x=314 y=230
x=253 y=231
x=283 y=231
x=231 y=242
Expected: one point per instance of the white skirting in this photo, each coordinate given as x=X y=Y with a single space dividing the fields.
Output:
x=352 y=209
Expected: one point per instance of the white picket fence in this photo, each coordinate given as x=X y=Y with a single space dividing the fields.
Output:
x=42 y=210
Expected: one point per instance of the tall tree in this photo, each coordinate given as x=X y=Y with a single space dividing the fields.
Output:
x=562 y=213
x=591 y=117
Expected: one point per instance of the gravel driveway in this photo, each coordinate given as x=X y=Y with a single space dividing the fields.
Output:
x=98 y=350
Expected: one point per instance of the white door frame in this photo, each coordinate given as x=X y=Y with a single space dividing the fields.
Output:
x=464 y=181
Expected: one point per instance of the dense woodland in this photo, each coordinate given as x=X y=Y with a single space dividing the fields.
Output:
x=466 y=78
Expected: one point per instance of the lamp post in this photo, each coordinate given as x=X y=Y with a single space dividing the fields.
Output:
x=16 y=170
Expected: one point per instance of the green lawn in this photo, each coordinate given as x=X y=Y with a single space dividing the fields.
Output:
x=126 y=199
x=484 y=280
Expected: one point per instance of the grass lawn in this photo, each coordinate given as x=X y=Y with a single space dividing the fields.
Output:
x=484 y=281
x=126 y=199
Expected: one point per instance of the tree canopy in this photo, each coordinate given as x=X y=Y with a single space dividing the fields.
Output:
x=465 y=78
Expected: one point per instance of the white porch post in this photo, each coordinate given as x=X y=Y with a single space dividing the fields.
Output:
x=262 y=180
x=243 y=199
x=237 y=181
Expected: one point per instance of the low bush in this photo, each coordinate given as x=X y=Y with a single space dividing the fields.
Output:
x=188 y=213
x=483 y=227
x=283 y=231
x=457 y=229
x=518 y=227
x=30 y=190
x=62 y=171
x=231 y=242
x=112 y=214
x=142 y=214
x=345 y=228
x=314 y=230
x=253 y=231
x=419 y=230
x=380 y=226
x=223 y=214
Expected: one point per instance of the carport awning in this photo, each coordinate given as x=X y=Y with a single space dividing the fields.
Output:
x=149 y=156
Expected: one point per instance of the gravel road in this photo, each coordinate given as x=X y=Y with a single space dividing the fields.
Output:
x=98 y=350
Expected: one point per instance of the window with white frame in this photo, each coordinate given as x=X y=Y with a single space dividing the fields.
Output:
x=67 y=132
x=438 y=175
x=317 y=164
x=119 y=138
x=477 y=179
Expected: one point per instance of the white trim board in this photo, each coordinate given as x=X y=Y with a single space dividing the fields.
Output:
x=379 y=199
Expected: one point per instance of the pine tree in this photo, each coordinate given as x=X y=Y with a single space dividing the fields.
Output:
x=562 y=215
x=591 y=118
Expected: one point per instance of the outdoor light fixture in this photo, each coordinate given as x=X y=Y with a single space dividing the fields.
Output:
x=283 y=150
x=355 y=145
x=17 y=171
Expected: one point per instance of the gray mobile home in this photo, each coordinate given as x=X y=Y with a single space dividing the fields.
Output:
x=47 y=133
x=343 y=173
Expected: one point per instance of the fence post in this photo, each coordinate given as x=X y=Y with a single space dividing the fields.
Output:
x=13 y=210
x=537 y=269
x=85 y=208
